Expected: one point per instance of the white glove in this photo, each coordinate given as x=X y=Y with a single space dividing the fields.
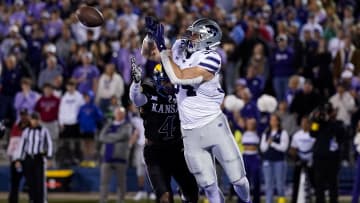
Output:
x=135 y=71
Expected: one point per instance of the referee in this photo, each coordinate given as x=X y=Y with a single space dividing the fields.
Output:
x=35 y=145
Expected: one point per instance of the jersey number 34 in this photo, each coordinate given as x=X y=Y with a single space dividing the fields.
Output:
x=190 y=92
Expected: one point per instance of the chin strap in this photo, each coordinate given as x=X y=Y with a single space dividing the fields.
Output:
x=164 y=55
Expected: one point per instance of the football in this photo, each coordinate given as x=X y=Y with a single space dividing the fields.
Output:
x=90 y=16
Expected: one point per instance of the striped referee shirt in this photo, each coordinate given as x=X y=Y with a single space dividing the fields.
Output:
x=34 y=141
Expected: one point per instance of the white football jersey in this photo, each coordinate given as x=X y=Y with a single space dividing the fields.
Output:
x=198 y=104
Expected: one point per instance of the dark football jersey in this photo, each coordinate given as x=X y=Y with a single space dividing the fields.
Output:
x=160 y=115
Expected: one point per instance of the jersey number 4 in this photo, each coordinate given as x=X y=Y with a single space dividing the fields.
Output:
x=190 y=92
x=167 y=127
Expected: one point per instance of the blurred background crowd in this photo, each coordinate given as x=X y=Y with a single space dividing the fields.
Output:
x=303 y=52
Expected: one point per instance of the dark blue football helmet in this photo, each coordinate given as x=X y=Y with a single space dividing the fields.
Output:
x=162 y=82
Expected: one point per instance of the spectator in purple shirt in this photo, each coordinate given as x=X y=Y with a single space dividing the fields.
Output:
x=54 y=26
x=254 y=82
x=18 y=15
x=250 y=109
x=282 y=62
x=87 y=75
x=27 y=98
x=130 y=46
x=35 y=8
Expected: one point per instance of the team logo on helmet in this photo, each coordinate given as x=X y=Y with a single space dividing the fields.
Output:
x=162 y=82
x=203 y=34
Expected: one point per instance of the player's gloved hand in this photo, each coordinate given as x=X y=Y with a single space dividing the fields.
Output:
x=150 y=25
x=135 y=70
x=159 y=37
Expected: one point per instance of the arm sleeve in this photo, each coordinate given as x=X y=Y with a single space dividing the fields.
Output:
x=125 y=132
x=294 y=143
x=136 y=95
x=103 y=134
x=284 y=142
x=264 y=145
x=121 y=135
x=168 y=67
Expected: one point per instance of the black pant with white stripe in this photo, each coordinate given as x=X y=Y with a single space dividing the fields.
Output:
x=34 y=170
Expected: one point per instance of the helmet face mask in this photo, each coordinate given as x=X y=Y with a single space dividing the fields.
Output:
x=203 y=34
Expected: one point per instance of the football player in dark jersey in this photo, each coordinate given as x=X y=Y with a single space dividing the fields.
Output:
x=163 y=153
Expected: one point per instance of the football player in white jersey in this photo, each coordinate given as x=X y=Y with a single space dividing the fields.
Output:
x=194 y=67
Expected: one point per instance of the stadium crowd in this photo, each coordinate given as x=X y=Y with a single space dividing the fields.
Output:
x=303 y=52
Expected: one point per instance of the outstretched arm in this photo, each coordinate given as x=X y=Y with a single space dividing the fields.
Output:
x=188 y=76
x=136 y=94
x=191 y=75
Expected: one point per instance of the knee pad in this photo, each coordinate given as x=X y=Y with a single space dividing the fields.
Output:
x=242 y=189
x=214 y=194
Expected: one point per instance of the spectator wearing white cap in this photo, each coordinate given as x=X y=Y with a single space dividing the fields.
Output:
x=12 y=39
x=282 y=66
x=49 y=49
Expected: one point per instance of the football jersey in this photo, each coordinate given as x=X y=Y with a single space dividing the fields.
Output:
x=198 y=104
x=160 y=115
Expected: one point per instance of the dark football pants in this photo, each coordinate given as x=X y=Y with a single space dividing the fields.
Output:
x=326 y=176
x=34 y=171
x=164 y=163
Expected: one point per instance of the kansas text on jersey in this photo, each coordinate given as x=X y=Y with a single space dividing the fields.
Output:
x=160 y=115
